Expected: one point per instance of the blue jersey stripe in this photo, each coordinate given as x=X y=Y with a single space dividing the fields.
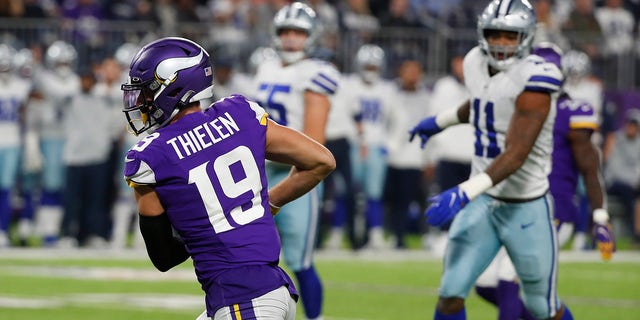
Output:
x=545 y=79
x=333 y=82
x=321 y=85
x=326 y=81
x=540 y=89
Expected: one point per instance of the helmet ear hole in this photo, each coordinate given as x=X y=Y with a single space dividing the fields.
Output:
x=174 y=93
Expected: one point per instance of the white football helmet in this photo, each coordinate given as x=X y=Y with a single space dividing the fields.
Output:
x=295 y=16
x=576 y=64
x=125 y=53
x=258 y=56
x=370 y=55
x=7 y=53
x=61 y=57
x=23 y=62
x=60 y=53
x=507 y=15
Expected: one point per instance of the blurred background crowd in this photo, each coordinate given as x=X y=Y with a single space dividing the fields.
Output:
x=62 y=63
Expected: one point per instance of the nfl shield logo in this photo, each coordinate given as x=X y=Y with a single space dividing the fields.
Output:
x=207 y=71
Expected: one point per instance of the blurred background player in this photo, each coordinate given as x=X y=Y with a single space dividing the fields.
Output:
x=88 y=136
x=227 y=78
x=622 y=170
x=58 y=83
x=14 y=92
x=583 y=87
x=506 y=201
x=373 y=98
x=31 y=158
x=406 y=162
x=212 y=190
x=338 y=197
x=295 y=90
x=123 y=214
x=573 y=155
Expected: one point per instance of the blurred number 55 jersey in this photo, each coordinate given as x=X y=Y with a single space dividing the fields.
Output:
x=209 y=170
x=284 y=97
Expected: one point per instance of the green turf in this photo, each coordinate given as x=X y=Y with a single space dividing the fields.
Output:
x=354 y=289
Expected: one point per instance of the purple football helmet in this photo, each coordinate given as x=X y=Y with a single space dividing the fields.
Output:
x=165 y=76
x=549 y=52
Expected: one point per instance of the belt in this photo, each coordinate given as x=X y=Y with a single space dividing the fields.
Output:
x=513 y=200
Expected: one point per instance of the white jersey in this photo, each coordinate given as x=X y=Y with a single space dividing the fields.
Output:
x=411 y=106
x=112 y=95
x=239 y=83
x=374 y=103
x=14 y=93
x=455 y=143
x=87 y=132
x=57 y=94
x=280 y=89
x=492 y=106
x=341 y=123
x=586 y=90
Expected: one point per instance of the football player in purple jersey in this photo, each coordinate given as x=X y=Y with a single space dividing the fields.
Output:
x=574 y=123
x=200 y=183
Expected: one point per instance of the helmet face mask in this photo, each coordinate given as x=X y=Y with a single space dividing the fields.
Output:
x=515 y=16
x=139 y=108
x=165 y=76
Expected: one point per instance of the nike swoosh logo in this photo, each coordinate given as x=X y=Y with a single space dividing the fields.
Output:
x=126 y=159
x=526 y=225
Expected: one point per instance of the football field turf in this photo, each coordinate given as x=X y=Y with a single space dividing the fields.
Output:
x=96 y=285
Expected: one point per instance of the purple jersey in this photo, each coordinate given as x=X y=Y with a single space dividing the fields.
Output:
x=208 y=170
x=571 y=115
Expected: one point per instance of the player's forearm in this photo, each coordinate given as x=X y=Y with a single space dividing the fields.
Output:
x=299 y=182
x=588 y=165
x=525 y=126
x=505 y=165
x=315 y=116
x=165 y=250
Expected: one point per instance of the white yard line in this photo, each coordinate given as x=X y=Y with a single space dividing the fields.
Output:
x=321 y=255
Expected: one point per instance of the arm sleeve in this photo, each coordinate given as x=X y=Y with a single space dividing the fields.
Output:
x=165 y=250
x=324 y=78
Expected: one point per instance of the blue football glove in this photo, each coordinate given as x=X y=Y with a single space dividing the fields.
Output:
x=604 y=240
x=425 y=129
x=445 y=206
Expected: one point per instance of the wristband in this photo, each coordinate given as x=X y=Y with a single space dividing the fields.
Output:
x=274 y=209
x=447 y=118
x=600 y=216
x=476 y=185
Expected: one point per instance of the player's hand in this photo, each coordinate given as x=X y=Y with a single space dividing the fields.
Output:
x=603 y=235
x=604 y=240
x=425 y=129
x=445 y=206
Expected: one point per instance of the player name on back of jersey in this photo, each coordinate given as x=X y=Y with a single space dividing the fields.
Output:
x=204 y=136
